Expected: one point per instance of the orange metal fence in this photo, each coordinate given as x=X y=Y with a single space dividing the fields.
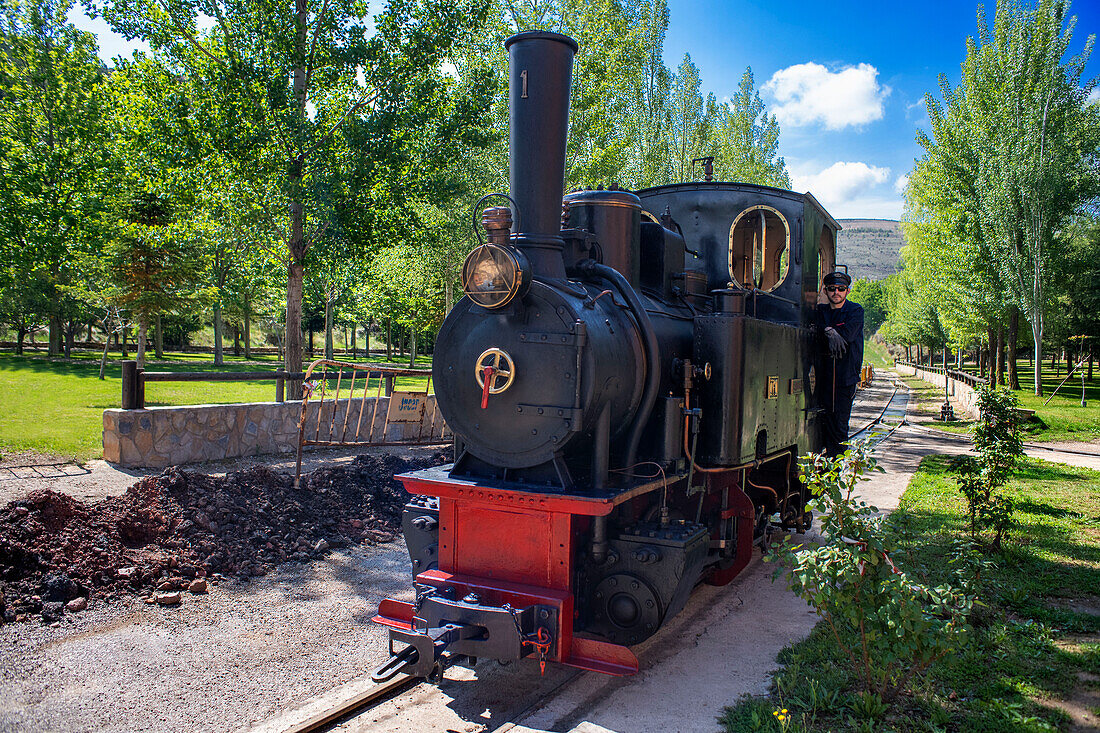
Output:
x=346 y=404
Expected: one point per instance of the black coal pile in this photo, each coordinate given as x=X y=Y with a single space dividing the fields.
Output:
x=171 y=531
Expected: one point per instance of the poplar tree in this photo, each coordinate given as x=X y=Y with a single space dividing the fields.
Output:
x=748 y=147
x=1011 y=159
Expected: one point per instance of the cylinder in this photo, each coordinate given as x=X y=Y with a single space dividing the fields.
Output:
x=540 y=73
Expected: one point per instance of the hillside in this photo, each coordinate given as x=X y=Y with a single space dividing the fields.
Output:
x=869 y=247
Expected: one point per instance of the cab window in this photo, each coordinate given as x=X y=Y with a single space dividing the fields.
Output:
x=759 y=254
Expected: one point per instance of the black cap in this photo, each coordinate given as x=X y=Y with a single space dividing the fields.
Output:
x=838 y=278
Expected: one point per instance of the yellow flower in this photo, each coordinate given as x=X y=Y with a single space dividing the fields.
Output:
x=784 y=711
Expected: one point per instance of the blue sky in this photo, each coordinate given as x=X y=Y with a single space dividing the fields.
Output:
x=846 y=80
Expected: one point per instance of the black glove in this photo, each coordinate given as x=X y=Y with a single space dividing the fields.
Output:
x=838 y=347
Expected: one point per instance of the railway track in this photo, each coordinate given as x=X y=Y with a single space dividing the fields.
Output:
x=340 y=708
x=891 y=416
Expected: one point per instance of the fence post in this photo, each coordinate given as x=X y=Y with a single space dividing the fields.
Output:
x=280 y=385
x=129 y=384
x=389 y=385
x=139 y=389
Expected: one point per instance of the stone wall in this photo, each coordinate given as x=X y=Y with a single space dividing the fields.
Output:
x=167 y=436
x=965 y=396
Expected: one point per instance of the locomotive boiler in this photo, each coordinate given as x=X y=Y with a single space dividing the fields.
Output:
x=629 y=381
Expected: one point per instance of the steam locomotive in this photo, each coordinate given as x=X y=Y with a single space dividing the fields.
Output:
x=629 y=380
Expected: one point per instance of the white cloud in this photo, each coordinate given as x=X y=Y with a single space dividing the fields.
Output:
x=901 y=184
x=808 y=93
x=840 y=181
x=1094 y=95
x=848 y=189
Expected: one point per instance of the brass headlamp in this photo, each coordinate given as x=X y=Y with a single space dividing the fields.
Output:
x=495 y=272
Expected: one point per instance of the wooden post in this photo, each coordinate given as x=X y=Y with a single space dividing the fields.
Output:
x=280 y=384
x=389 y=384
x=129 y=384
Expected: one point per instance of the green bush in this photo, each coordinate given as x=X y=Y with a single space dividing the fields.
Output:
x=997 y=442
x=889 y=626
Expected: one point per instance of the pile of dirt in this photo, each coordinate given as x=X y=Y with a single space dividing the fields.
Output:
x=170 y=531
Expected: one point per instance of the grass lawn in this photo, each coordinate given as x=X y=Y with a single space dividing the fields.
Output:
x=1035 y=650
x=1062 y=420
x=875 y=355
x=55 y=406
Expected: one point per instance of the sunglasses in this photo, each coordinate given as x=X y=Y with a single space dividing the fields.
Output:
x=835 y=288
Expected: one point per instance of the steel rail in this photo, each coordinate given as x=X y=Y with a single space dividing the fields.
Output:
x=880 y=414
x=356 y=704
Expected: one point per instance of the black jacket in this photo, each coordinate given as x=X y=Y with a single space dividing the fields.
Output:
x=848 y=322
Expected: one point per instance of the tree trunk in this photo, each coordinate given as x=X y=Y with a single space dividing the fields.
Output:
x=1037 y=338
x=412 y=348
x=354 y=335
x=1067 y=354
x=1013 y=334
x=328 y=330
x=248 y=330
x=991 y=356
x=55 y=335
x=1090 y=366
x=236 y=340
x=389 y=340
x=297 y=244
x=21 y=333
x=158 y=337
x=292 y=360
x=103 y=358
x=124 y=337
x=219 y=357
x=1001 y=354
x=143 y=329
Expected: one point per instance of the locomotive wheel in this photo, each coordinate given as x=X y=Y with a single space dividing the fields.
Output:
x=625 y=609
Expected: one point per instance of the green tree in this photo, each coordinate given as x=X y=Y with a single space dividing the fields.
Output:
x=52 y=158
x=690 y=122
x=1014 y=151
x=748 y=140
x=871 y=294
x=282 y=82
x=153 y=266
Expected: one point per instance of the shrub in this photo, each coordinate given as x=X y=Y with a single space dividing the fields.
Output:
x=997 y=442
x=889 y=626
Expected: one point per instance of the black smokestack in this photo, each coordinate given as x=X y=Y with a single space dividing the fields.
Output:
x=541 y=70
